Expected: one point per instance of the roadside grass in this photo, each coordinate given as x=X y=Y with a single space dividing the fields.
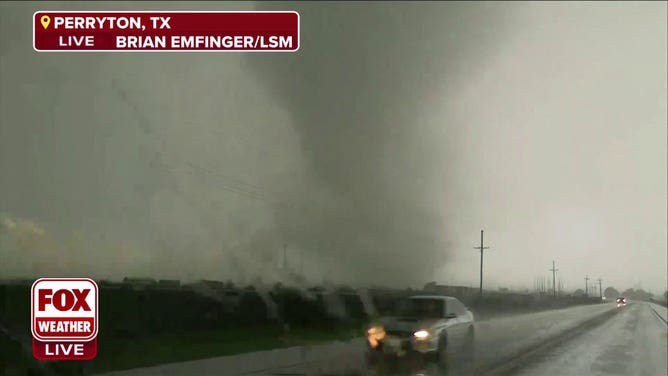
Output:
x=13 y=359
x=118 y=354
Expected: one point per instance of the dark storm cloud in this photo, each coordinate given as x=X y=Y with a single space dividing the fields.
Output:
x=375 y=153
x=115 y=144
x=360 y=91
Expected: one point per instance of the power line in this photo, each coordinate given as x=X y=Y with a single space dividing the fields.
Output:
x=224 y=187
x=242 y=187
x=223 y=176
x=227 y=186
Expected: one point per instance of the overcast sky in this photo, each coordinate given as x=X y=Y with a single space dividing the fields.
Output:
x=376 y=153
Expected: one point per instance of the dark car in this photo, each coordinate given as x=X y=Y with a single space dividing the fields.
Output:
x=621 y=302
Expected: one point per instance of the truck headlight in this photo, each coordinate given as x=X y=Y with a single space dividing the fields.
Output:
x=374 y=335
x=375 y=330
x=421 y=334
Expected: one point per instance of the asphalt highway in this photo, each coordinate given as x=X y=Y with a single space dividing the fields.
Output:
x=634 y=342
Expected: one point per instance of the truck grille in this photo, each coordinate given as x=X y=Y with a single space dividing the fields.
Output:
x=399 y=333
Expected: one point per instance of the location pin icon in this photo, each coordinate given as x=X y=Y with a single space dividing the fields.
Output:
x=45 y=20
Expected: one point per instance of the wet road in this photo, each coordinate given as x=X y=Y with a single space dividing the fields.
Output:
x=497 y=343
x=633 y=342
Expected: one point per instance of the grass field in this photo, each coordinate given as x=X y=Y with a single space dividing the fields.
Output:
x=117 y=354
x=13 y=360
x=130 y=338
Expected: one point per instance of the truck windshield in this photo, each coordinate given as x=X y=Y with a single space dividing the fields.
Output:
x=421 y=308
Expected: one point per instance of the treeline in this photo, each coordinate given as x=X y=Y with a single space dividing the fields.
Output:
x=637 y=294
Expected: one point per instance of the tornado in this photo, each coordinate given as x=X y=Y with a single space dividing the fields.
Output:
x=362 y=91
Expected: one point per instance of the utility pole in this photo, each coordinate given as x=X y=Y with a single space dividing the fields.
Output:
x=554 y=286
x=481 y=248
x=600 y=288
x=586 y=285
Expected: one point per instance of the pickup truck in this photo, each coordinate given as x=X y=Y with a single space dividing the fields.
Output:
x=424 y=324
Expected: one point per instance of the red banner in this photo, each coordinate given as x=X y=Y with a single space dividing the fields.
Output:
x=64 y=350
x=165 y=31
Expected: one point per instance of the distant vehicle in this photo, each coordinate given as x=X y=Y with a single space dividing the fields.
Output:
x=423 y=324
x=621 y=302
